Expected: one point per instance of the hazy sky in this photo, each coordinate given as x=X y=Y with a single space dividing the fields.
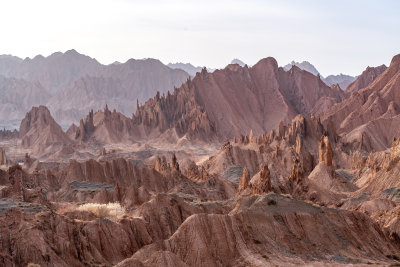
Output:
x=336 y=36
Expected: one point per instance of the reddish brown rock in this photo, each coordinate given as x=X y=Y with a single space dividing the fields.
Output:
x=244 y=181
x=296 y=173
x=160 y=164
x=366 y=78
x=86 y=127
x=257 y=227
x=194 y=108
x=325 y=153
x=261 y=183
x=38 y=130
x=197 y=173
x=372 y=112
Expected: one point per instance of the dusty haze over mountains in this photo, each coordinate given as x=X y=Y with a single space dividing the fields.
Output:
x=199 y=133
x=71 y=84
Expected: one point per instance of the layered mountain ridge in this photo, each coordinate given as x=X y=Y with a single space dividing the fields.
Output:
x=76 y=83
x=369 y=117
x=236 y=99
x=215 y=106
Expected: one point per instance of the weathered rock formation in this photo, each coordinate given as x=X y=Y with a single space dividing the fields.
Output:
x=257 y=226
x=325 y=153
x=370 y=114
x=86 y=128
x=256 y=98
x=39 y=130
x=261 y=182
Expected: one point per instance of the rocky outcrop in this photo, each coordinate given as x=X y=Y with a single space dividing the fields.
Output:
x=38 y=130
x=178 y=111
x=296 y=175
x=160 y=164
x=106 y=127
x=371 y=112
x=261 y=183
x=196 y=173
x=325 y=153
x=86 y=128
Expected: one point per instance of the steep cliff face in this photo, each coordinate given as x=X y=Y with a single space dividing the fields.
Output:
x=256 y=98
x=370 y=116
x=180 y=111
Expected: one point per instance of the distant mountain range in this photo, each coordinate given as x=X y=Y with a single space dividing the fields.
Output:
x=71 y=84
x=188 y=68
x=238 y=61
x=341 y=79
x=192 y=70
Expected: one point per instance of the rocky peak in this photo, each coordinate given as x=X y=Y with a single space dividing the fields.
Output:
x=262 y=182
x=37 y=115
x=395 y=61
x=38 y=130
x=268 y=63
x=197 y=173
x=86 y=127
